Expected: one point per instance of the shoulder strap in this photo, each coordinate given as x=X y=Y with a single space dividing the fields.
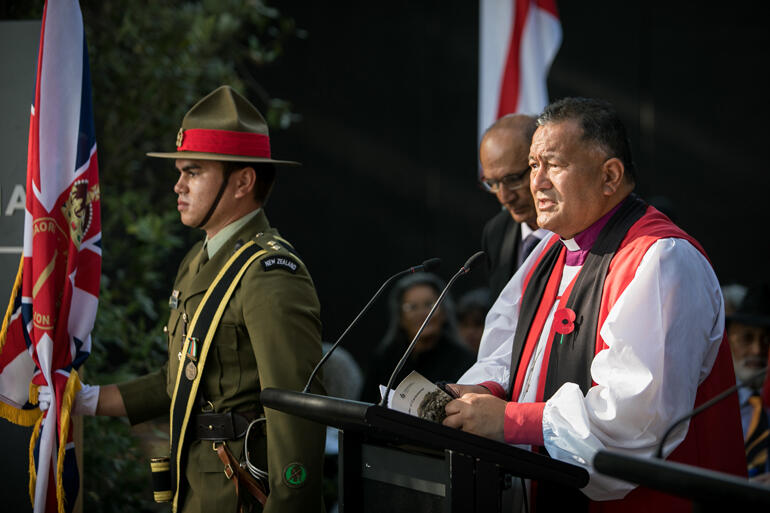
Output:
x=195 y=348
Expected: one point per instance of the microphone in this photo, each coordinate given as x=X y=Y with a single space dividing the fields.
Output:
x=463 y=270
x=428 y=265
x=706 y=405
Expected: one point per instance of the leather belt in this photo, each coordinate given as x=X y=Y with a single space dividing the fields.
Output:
x=221 y=426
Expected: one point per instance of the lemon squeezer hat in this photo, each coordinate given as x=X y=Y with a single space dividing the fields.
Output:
x=223 y=126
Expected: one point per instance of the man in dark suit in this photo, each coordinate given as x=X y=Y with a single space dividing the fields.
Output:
x=510 y=235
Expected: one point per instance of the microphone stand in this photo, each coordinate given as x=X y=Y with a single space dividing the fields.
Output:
x=706 y=405
x=463 y=270
x=428 y=265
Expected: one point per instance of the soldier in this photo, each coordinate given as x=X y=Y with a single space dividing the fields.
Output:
x=260 y=327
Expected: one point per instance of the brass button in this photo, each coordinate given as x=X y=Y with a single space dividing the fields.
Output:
x=165 y=329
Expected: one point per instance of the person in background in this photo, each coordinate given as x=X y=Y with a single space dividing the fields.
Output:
x=472 y=308
x=748 y=331
x=439 y=354
x=733 y=294
x=509 y=236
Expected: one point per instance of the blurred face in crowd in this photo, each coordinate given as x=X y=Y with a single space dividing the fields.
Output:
x=503 y=155
x=749 y=346
x=571 y=180
x=471 y=327
x=415 y=305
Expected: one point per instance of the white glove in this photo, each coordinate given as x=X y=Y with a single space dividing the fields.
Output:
x=85 y=400
x=43 y=397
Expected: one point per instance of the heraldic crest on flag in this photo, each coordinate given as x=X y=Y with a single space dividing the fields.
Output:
x=46 y=331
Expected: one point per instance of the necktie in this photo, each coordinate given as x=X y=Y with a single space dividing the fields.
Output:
x=200 y=259
x=757 y=439
x=527 y=245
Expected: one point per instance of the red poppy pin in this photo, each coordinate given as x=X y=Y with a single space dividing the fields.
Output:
x=564 y=322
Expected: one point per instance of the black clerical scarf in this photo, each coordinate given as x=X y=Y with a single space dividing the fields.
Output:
x=570 y=361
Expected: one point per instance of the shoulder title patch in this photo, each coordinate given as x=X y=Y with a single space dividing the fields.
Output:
x=286 y=263
x=294 y=475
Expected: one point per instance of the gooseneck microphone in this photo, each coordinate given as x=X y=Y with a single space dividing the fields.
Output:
x=463 y=270
x=753 y=378
x=428 y=265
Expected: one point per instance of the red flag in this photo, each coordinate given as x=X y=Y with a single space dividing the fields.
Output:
x=47 y=329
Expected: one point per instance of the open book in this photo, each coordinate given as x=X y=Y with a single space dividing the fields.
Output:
x=418 y=396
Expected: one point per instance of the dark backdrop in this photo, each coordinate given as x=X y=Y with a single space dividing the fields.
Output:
x=387 y=96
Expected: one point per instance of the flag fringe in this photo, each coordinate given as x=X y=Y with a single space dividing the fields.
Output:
x=32 y=470
x=19 y=416
x=9 y=310
x=71 y=389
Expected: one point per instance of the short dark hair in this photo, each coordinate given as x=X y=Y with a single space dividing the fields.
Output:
x=600 y=123
x=265 y=177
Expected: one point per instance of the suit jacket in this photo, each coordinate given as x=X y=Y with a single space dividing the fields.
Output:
x=269 y=336
x=500 y=267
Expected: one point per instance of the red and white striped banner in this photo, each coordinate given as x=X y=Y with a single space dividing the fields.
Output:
x=518 y=40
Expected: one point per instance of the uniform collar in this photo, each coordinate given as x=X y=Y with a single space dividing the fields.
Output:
x=255 y=224
x=215 y=243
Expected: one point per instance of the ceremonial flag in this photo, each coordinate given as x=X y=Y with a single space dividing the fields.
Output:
x=518 y=40
x=46 y=330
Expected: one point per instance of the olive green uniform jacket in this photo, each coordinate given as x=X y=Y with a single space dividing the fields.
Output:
x=269 y=336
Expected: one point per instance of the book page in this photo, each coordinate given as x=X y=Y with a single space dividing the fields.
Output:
x=418 y=396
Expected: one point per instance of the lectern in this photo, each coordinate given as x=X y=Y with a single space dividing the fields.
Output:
x=392 y=461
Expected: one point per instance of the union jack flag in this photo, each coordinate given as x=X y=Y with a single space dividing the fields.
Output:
x=45 y=335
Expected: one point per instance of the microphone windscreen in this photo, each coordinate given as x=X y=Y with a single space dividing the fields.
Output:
x=431 y=264
x=473 y=259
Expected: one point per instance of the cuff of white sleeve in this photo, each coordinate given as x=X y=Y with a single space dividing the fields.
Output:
x=86 y=400
x=524 y=423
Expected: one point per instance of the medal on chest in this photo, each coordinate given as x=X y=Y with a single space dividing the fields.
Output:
x=191 y=369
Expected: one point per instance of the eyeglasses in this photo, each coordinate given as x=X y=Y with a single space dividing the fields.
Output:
x=511 y=182
x=410 y=308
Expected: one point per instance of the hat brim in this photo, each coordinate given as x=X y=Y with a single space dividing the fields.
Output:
x=194 y=155
x=750 y=319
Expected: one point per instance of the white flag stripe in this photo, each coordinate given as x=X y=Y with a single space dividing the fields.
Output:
x=61 y=77
x=17 y=371
x=540 y=42
x=495 y=25
x=82 y=312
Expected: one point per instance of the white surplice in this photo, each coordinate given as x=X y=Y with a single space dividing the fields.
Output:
x=663 y=334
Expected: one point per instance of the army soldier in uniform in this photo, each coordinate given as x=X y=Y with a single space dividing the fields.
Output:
x=266 y=333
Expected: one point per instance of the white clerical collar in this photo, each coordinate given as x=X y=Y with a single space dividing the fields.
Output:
x=571 y=244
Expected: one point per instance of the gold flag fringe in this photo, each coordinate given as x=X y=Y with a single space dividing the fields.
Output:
x=9 y=310
x=32 y=471
x=68 y=399
x=18 y=416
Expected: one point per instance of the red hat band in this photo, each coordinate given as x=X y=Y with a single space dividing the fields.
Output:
x=226 y=142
